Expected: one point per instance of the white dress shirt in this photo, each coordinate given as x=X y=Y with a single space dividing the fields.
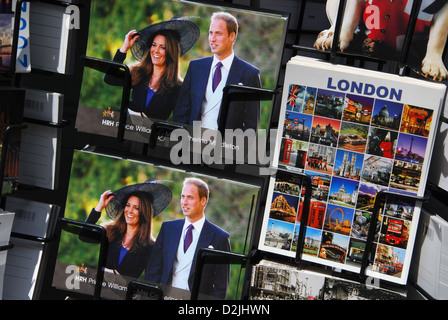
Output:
x=183 y=261
x=211 y=103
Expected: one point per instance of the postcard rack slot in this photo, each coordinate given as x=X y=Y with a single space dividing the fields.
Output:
x=330 y=55
x=122 y=71
x=306 y=184
x=62 y=124
x=409 y=32
x=75 y=227
x=32 y=238
x=380 y=197
x=145 y=289
x=15 y=38
x=241 y=93
x=6 y=247
x=207 y=255
x=6 y=136
x=443 y=118
x=402 y=66
x=338 y=26
x=161 y=128
x=16 y=29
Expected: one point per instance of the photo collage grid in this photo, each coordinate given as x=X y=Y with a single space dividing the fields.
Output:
x=351 y=147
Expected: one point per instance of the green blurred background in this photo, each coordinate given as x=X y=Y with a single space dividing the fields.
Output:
x=260 y=40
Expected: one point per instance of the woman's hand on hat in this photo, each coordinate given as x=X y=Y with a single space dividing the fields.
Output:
x=129 y=40
x=105 y=198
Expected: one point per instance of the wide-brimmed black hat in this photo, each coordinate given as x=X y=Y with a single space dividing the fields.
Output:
x=159 y=194
x=187 y=30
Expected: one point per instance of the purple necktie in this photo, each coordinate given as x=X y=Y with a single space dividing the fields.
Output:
x=217 y=76
x=188 y=237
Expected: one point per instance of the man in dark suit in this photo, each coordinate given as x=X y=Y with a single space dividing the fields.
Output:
x=172 y=260
x=200 y=101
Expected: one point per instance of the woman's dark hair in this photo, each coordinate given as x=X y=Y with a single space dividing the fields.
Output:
x=171 y=78
x=117 y=229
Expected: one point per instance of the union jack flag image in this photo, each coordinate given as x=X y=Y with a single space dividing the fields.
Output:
x=293 y=95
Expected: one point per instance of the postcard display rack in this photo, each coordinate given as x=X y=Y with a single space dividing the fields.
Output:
x=152 y=145
x=305 y=225
x=352 y=156
x=328 y=158
x=36 y=48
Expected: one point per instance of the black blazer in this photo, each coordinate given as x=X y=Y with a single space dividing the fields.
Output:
x=159 y=107
x=133 y=263
x=241 y=114
x=215 y=277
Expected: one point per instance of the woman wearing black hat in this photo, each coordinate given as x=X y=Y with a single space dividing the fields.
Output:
x=132 y=209
x=155 y=77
